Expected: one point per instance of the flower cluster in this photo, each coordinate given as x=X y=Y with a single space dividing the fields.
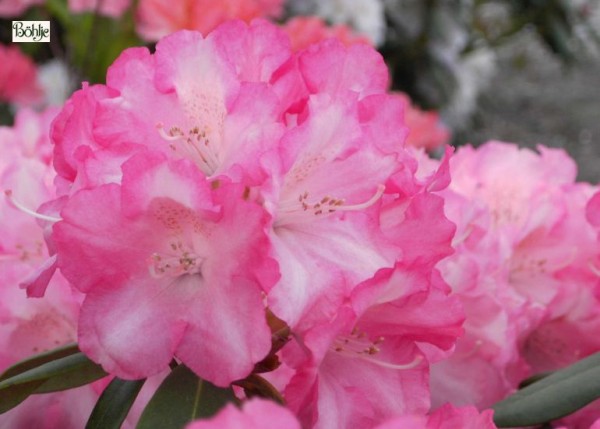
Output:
x=262 y=211
x=224 y=176
x=27 y=326
x=523 y=269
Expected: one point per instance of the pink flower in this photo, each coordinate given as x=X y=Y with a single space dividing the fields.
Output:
x=255 y=414
x=307 y=30
x=522 y=270
x=342 y=147
x=165 y=241
x=206 y=100
x=18 y=77
x=112 y=8
x=371 y=362
x=158 y=18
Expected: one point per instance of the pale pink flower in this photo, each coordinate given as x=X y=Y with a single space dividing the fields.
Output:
x=31 y=326
x=26 y=174
x=307 y=30
x=254 y=414
x=522 y=270
x=158 y=18
x=18 y=78
x=112 y=8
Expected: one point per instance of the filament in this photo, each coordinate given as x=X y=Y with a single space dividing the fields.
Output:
x=18 y=205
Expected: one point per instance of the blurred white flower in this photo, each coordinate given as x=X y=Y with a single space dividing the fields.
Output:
x=475 y=72
x=57 y=82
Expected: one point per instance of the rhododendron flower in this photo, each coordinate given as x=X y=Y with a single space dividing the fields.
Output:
x=371 y=362
x=31 y=326
x=18 y=82
x=255 y=414
x=26 y=175
x=158 y=18
x=186 y=100
x=307 y=30
x=522 y=270
x=165 y=242
x=336 y=163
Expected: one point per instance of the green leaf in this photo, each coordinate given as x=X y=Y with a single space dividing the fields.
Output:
x=181 y=398
x=114 y=404
x=60 y=374
x=17 y=394
x=553 y=397
x=38 y=360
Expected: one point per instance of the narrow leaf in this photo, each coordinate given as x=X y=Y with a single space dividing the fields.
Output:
x=17 y=394
x=553 y=397
x=181 y=398
x=114 y=404
x=38 y=360
x=60 y=374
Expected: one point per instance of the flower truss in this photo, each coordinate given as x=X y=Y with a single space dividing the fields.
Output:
x=261 y=213
x=224 y=176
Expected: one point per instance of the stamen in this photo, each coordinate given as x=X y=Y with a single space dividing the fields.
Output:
x=366 y=204
x=173 y=135
x=174 y=263
x=302 y=207
x=357 y=345
x=412 y=364
x=196 y=146
x=20 y=206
